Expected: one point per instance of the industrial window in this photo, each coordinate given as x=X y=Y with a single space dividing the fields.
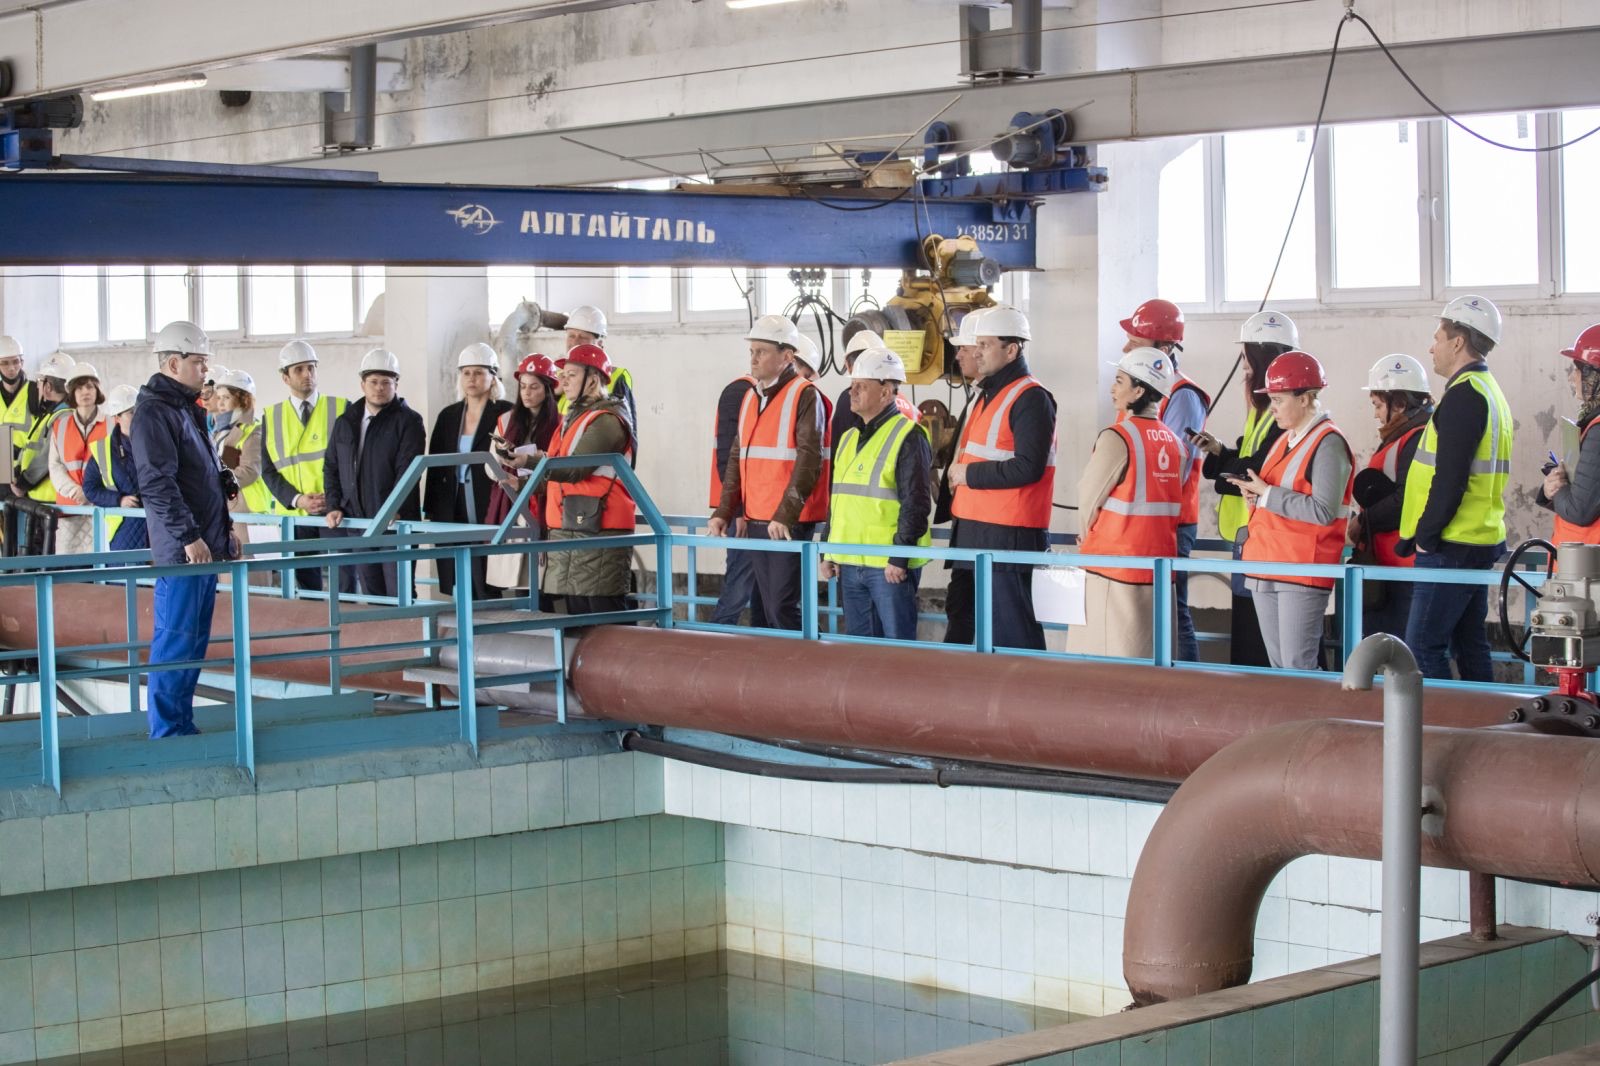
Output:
x=169 y=295
x=329 y=299
x=80 y=304
x=1181 y=227
x=872 y=288
x=780 y=291
x=1491 y=210
x=125 y=307
x=219 y=299
x=508 y=286
x=270 y=292
x=1580 y=209
x=1261 y=175
x=370 y=285
x=1374 y=187
x=709 y=290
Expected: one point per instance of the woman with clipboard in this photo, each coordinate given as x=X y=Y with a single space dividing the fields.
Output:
x=1574 y=495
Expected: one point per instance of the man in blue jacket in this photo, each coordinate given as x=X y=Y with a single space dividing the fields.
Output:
x=181 y=487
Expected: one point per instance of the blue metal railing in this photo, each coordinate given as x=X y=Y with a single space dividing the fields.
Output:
x=387 y=539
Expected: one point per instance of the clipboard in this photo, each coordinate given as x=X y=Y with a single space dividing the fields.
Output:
x=1571 y=442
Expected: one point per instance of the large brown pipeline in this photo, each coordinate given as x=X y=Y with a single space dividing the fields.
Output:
x=1107 y=718
x=95 y=614
x=1500 y=803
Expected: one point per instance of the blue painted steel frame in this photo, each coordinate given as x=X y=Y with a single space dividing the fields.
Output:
x=157 y=220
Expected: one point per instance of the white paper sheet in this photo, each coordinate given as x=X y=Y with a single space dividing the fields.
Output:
x=1058 y=595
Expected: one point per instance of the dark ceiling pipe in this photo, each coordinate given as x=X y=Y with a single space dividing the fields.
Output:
x=1498 y=803
x=1118 y=720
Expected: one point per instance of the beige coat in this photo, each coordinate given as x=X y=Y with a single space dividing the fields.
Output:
x=1118 y=615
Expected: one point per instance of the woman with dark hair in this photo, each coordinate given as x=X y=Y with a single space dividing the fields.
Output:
x=71 y=439
x=1263 y=338
x=1397 y=385
x=521 y=438
x=1129 y=501
x=1574 y=496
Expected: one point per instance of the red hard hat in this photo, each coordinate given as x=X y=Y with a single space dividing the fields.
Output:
x=539 y=364
x=1586 y=349
x=1294 y=370
x=1155 y=320
x=589 y=355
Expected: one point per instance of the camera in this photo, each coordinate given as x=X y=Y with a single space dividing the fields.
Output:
x=229 y=482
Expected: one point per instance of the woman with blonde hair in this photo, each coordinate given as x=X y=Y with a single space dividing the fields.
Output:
x=462 y=493
x=236 y=432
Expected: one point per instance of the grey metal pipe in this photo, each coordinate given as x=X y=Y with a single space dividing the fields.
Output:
x=1402 y=837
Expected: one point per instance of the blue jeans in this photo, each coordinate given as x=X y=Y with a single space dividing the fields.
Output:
x=1447 y=620
x=738 y=591
x=875 y=608
x=183 y=607
x=1188 y=649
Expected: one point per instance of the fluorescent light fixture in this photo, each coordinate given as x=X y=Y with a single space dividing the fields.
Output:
x=193 y=81
x=737 y=5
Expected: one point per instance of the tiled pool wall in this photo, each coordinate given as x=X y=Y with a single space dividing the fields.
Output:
x=1010 y=895
x=1471 y=998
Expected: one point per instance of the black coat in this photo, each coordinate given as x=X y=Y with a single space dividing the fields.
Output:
x=179 y=480
x=395 y=437
x=439 y=497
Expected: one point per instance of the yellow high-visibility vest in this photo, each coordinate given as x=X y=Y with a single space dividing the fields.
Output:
x=297 y=450
x=1481 y=516
x=864 y=507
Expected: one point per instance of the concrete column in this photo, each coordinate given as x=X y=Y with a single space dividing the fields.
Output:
x=429 y=316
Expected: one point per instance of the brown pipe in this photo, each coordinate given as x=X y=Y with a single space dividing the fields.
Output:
x=1106 y=718
x=95 y=614
x=1480 y=896
x=1505 y=804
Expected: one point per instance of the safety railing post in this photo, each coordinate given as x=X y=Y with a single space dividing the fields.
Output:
x=808 y=585
x=244 y=729
x=291 y=578
x=664 y=590
x=983 y=602
x=560 y=653
x=1161 y=611
x=130 y=608
x=1353 y=589
x=97 y=527
x=833 y=606
x=692 y=580
x=404 y=574
x=45 y=622
x=335 y=668
x=466 y=680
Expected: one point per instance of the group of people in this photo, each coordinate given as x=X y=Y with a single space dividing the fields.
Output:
x=790 y=464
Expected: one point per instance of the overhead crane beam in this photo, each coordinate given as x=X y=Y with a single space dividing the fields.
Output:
x=88 y=219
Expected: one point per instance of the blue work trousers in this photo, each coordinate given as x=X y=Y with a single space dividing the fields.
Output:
x=875 y=608
x=1447 y=620
x=738 y=591
x=183 y=607
x=1188 y=648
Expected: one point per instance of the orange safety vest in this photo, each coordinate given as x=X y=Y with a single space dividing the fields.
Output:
x=1141 y=515
x=603 y=481
x=1274 y=537
x=716 y=471
x=906 y=407
x=1387 y=459
x=769 y=448
x=1191 y=477
x=987 y=438
x=1570 y=532
x=73 y=446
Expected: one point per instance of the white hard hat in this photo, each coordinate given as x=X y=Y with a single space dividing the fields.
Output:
x=878 y=364
x=1149 y=365
x=806 y=351
x=215 y=373
x=83 y=370
x=185 y=338
x=380 y=361
x=774 y=329
x=57 y=365
x=9 y=348
x=1002 y=322
x=238 y=379
x=122 y=398
x=967 y=335
x=1396 y=373
x=294 y=353
x=479 y=354
x=1270 y=327
x=861 y=341
x=589 y=319
x=1478 y=312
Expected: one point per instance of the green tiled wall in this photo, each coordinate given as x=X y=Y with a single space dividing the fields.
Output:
x=106 y=966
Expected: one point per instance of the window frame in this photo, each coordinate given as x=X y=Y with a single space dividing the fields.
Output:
x=1333 y=295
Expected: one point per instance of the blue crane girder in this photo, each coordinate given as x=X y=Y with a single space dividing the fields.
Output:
x=88 y=219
